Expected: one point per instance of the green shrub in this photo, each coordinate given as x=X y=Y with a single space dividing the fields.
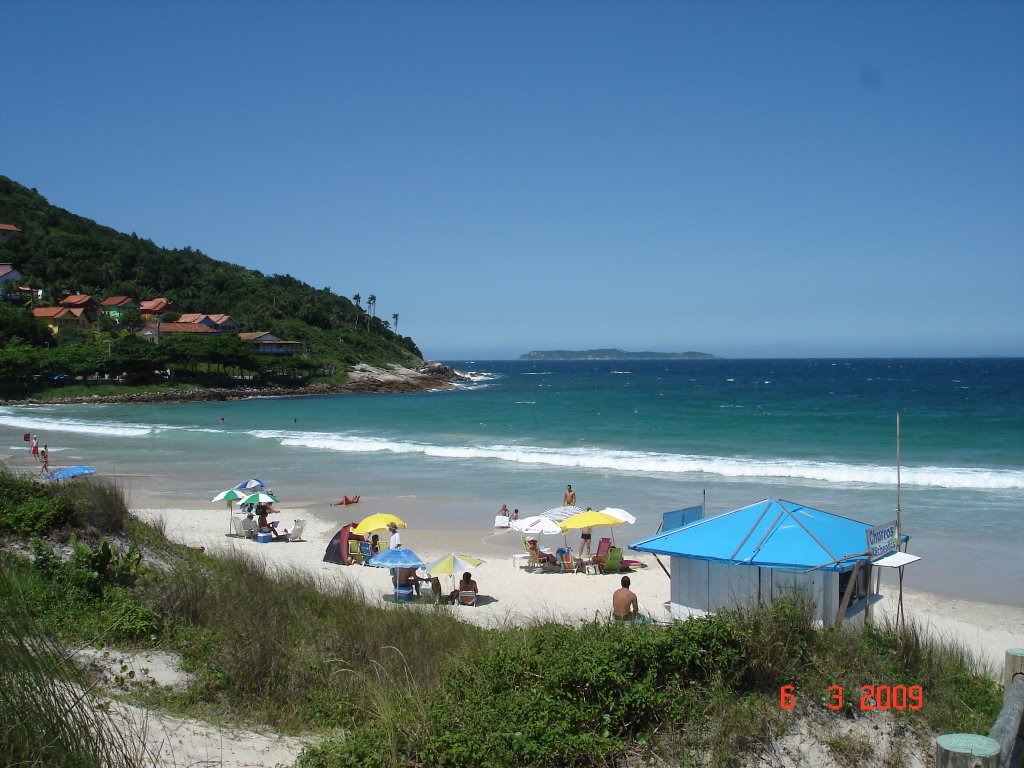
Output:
x=34 y=515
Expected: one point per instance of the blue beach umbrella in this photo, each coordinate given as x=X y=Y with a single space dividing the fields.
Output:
x=399 y=557
x=251 y=484
x=71 y=472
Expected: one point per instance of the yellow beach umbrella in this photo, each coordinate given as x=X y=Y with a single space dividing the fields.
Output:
x=378 y=522
x=452 y=564
x=588 y=519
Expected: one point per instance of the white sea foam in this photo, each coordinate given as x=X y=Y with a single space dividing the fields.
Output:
x=665 y=464
x=78 y=426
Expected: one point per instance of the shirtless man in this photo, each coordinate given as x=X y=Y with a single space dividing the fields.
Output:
x=569 y=499
x=624 y=603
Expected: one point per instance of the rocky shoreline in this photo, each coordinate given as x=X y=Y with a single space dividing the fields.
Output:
x=362 y=378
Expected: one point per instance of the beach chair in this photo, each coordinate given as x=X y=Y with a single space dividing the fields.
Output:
x=613 y=562
x=602 y=550
x=354 y=553
x=295 y=534
x=566 y=563
x=467 y=597
x=248 y=528
x=236 y=528
x=365 y=550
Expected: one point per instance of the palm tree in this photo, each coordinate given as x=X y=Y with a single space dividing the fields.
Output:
x=357 y=298
x=371 y=303
x=395 y=318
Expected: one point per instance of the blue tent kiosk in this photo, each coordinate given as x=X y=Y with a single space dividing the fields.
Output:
x=753 y=554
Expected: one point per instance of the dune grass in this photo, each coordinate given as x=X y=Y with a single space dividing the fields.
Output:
x=48 y=713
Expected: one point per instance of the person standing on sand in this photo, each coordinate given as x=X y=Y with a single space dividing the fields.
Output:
x=44 y=457
x=569 y=497
x=585 y=535
x=35 y=447
x=625 y=606
x=395 y=541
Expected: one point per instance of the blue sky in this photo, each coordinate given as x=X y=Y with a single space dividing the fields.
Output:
x=750 y=179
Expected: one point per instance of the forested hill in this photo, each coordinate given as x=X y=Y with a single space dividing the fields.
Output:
x=63 y=253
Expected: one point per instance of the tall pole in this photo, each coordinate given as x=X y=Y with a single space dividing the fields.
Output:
x=899 y=527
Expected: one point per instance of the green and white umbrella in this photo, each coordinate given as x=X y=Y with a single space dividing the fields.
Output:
x=259 y=498
x=230 y=496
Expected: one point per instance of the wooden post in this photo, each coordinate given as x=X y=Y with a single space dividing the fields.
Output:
x=850 y=586
x=966 y=750
x=1014 y=665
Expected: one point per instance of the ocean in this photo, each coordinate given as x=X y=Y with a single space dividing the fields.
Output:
x=646 y=436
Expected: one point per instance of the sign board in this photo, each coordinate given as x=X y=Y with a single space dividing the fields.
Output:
x=883 y=539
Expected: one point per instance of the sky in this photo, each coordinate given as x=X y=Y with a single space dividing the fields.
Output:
x=784 y=179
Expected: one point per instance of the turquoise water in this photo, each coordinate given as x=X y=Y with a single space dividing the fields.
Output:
x=645 y=436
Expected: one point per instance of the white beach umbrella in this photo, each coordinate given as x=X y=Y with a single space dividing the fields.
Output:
x=558 y=514
x=622 y=514
x=535 y=525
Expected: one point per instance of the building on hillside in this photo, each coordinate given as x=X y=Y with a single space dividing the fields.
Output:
x=224 y=323
x=220 y=323
x=758 y=553
x=63 y=320
x=8 y=274
x=8 y=230
x=9 y=278
x=265 y=343
x=84 y=302
x=114 y=307
x=154 y=332
x=152 y=308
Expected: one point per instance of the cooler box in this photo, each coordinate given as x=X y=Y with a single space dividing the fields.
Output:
x=264 y=538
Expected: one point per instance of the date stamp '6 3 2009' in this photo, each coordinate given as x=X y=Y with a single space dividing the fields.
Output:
x=882 y=697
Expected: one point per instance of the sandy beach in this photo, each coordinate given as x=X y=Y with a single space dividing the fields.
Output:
x=511 y=594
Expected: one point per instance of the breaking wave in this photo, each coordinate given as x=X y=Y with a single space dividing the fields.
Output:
x=663 y=464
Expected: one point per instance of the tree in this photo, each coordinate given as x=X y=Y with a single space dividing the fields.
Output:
x=395 y=318
x=371 y=304
x=357 y=298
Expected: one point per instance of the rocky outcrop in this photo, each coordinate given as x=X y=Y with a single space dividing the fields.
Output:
x=430 y=375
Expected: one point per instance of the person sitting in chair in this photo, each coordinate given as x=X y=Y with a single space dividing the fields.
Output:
x=545 y=558
x=468 y=584
x=266 y=527
x=249 y=526
x=406 y=577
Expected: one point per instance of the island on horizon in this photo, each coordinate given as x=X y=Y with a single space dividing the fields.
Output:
x=614 y=354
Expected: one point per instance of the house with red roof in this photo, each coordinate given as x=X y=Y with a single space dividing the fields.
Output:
x=153 y=307
x=220 y=323
x=84 y=302
x=8 y=273
x=9 y=278
x=154 y=332
x=63 y=320
x=114 y=307
x=8 y=230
